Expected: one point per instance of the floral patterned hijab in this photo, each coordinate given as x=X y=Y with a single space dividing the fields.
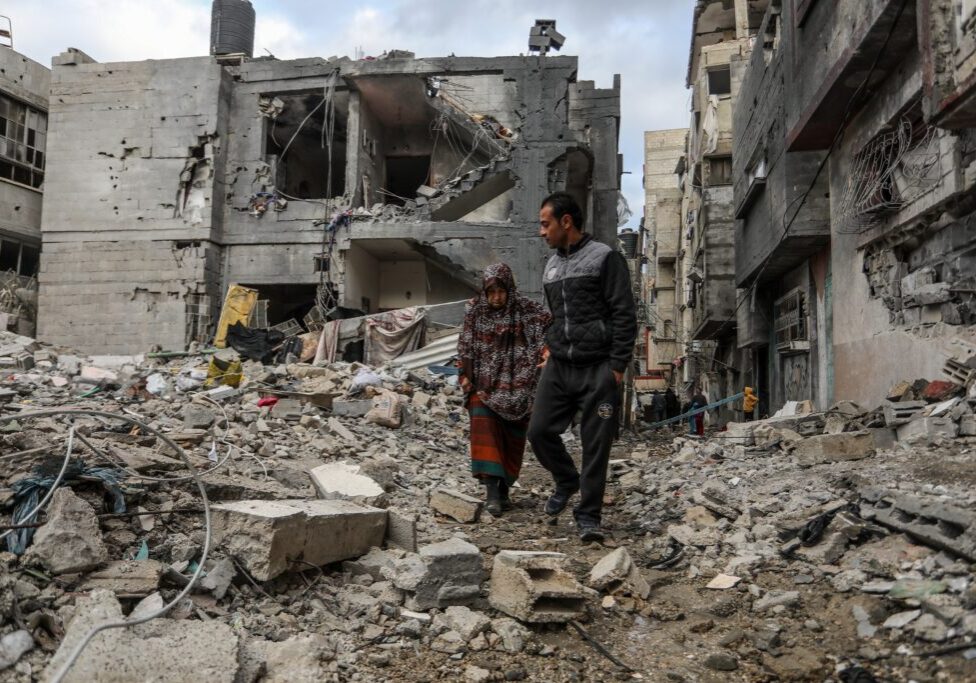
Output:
x=501 y=349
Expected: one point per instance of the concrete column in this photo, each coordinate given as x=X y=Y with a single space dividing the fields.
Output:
x=353 y=144
x=741 y=19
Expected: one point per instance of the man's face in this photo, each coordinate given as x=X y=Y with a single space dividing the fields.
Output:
x=497 y=296
x=554 y=232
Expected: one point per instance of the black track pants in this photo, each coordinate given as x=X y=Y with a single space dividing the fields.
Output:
x=564 y=390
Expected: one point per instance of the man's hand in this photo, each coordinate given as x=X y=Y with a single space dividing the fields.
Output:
x=545 y=357
x=465 y=384
x=619 y=376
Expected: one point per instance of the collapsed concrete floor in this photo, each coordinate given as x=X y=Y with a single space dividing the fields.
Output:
x=702 y=579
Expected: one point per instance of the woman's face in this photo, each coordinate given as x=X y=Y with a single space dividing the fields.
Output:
x=497 y=296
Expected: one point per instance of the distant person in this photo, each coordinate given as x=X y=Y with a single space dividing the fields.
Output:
x=696 y=423
x=500 y=350
x=749 y=402
x=659 y=407
x=591 y=344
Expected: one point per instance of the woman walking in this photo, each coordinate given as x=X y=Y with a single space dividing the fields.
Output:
x=500 y=349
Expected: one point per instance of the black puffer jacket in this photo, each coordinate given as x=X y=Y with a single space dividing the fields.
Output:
x=589 y=293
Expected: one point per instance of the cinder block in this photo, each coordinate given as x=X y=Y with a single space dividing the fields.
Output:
x=265 y=535
x=936 y=524
x=456 y=505
x=897 y=413
x=534 y=587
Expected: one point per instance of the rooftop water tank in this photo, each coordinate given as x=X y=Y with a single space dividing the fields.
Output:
x=232 y=27
x=628 y=239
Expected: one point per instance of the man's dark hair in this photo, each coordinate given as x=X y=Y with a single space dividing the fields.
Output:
x=562 y=203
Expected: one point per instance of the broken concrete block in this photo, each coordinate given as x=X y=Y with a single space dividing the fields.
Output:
x=97 y=375
x=967 y=425
x=401 y=530
x=829 y=550
x=616 y=572
x=456 y=505
x=373 y=563
x=825 y=448
x=197 y=417
x=338 y=530
x=287 y=409
x=928 y=427
x=534 y=587
x=207 y=650
x=740 y=433
x=265 y=535
x=300 y=659
x=342 y=431
x=126 y=578
x=900 y=412
x=70 y=541
x=466 y=622
x=219 y=577
x=513 y=635
x=351 y=408
x=946 y=527
x=345 y=481
x=884 y=437
x=440 y=575
x=13 y=646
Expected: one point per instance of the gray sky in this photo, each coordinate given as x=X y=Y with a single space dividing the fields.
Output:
x=646 y=41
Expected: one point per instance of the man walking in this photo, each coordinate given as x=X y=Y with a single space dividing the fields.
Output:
x=591 y=342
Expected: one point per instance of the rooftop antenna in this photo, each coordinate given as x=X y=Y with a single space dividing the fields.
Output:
x=6 y=31
x=544 y=37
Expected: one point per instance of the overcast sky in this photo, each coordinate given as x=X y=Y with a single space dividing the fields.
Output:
x=646 y=41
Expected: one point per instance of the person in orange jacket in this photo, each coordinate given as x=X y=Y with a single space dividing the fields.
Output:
x=749 y=404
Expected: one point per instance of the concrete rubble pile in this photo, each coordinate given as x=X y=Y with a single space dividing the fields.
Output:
x=345 y=548
x=337 y=540
x=852 y=523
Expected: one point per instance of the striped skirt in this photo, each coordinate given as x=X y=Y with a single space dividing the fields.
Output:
x=497 y=445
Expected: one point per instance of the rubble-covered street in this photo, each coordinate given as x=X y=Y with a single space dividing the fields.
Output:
x=794 y=548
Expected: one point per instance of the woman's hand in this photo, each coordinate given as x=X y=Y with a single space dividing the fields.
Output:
x=465 y=383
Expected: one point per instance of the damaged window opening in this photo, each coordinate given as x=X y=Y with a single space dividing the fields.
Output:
x=23 y=133
x=285 y=302
x=720 y=81
x=791 y=319
x=19 y=258
x=404 y=175
x=303 y=170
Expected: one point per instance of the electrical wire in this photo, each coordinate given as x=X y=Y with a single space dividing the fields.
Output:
x=54 y=486
x=123 y=623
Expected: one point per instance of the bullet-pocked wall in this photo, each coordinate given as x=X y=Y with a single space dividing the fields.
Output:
x=197 y=173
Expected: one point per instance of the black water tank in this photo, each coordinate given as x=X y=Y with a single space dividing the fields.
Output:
x=232 y=27
x=628 y=239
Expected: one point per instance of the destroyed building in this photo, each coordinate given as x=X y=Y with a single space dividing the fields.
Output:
x=695 y=266
x=866 y=273
x=24 y=88
x=663 y=151
x=358 y=185
x=833 y=256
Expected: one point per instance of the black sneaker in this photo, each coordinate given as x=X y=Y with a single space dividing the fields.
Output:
x=590 y=532
x=557 y=502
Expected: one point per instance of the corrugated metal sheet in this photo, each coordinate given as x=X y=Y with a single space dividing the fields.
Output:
x=437 y=353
